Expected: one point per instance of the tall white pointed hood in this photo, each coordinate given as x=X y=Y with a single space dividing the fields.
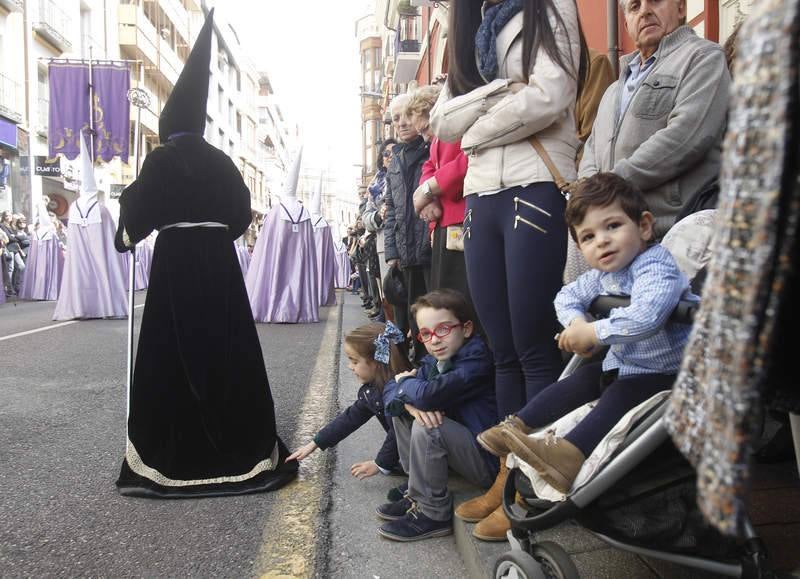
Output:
x=316 y=200
x=44 y=225
x=292 y=209
x=316 y=207
x=84 y=210
x=292 y=177
x=88 y=184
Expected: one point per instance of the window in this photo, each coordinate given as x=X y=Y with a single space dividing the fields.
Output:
x=221 y=99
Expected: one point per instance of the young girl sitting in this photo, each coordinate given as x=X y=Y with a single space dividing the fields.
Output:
x=375 y=358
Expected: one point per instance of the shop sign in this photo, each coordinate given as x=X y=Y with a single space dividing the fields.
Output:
x=47 y=167
x=115 y=190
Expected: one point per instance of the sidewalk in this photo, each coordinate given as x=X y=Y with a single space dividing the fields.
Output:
x=356 y=550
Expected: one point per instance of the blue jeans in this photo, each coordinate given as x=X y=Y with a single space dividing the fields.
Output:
x=515 y=253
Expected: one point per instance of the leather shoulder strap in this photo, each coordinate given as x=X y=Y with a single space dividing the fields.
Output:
x=559 y=180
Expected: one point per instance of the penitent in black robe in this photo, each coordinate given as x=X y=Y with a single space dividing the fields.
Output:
x=202 y=420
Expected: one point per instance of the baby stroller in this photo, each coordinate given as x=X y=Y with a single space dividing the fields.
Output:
x=643 y=499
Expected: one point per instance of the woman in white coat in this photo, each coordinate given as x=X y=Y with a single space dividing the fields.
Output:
x=522 y=84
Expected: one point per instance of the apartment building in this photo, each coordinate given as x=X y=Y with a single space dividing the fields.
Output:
x=12 y=102
x=276 y=140
x=371 y=90
x=160 y=33
x=42 y=30
x=156 y=33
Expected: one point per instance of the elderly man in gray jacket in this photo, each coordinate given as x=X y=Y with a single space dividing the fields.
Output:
x=661 y=124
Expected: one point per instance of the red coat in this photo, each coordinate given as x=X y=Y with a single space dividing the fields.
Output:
x=448 y=163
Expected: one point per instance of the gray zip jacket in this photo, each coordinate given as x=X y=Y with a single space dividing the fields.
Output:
x=668 y=140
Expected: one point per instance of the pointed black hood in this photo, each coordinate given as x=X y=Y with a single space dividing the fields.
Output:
x=185 y=109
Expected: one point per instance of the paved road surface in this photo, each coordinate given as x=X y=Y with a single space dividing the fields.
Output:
x=62 y=410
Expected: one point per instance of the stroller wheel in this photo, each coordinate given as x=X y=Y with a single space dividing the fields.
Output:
x=517 y=565
x=554 y=561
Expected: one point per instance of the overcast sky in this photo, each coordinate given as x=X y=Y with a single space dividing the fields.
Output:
x=310 y=51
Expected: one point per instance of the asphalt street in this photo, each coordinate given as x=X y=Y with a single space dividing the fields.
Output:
x=62 y=437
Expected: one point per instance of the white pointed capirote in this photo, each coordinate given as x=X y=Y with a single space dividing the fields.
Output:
x=44 y=225
x=292 y=177
x=315 y=207
x=88 y=184
x=84 y=210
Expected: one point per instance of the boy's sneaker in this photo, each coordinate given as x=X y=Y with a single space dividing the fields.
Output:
x=394 y=510
x=415 y=526
x=397 y=493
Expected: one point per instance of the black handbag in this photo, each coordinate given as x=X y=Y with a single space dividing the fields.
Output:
x=394 y=287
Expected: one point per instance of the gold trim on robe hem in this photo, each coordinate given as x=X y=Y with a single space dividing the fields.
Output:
x=126 y=239
x=138 y=466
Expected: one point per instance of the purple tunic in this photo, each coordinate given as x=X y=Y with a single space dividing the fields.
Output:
x=342 y=265
x=244 y=258
x=45 y=267
x=94 y=284
x=282 y=277
x=326 y=263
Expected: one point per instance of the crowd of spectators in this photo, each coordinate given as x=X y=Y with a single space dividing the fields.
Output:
x=471 y=196
x=15 y=240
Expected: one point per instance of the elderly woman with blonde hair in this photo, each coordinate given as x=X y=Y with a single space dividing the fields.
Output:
x=439 y=198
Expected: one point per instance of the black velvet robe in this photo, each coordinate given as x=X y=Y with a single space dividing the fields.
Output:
x=201 y=416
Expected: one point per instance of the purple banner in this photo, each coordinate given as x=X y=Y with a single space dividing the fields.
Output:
x=69 y=109
x=112 y=111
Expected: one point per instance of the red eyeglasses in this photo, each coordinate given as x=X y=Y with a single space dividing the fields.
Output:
x=440 y=331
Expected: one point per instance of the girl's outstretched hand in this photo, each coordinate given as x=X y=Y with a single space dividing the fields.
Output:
x=366 y=469
x=302 y=452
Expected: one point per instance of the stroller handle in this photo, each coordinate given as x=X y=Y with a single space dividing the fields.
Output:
x=683 y=313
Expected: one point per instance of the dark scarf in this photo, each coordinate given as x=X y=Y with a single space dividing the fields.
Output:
x=494 y=19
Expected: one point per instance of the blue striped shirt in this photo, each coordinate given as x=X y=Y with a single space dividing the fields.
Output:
x=641 y=340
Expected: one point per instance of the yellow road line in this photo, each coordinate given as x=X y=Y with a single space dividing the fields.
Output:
x=290 y=532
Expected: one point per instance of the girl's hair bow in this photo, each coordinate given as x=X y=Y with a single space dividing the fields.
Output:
x=390 y=335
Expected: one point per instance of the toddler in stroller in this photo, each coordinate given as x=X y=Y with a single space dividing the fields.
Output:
x=635 y=492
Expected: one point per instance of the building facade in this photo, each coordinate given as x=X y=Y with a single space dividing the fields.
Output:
x=156 y=35
x=414 y=35
x=371 y=90
x=275 y=139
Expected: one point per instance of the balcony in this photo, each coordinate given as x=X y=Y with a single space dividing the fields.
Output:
x=10 y=101
x=137 y=36
x=408 y=47
x=169 y=64
x=53 y=25
x=177 y=14
x=12 y=5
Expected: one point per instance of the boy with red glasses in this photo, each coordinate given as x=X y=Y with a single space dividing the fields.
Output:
x=437 y=411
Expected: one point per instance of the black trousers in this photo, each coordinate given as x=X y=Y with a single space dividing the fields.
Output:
x=449 y=271
x=418 y=279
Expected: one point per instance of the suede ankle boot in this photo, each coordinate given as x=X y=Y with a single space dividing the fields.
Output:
x=557 y=461
x=493 y=527
x=481 y=507
x=494 y=442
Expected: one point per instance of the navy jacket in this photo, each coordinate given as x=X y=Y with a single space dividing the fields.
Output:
x=369 y=403
x=465 y=392
x=406 y=236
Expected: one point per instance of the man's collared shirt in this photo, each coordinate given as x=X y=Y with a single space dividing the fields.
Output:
x=637 y=72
